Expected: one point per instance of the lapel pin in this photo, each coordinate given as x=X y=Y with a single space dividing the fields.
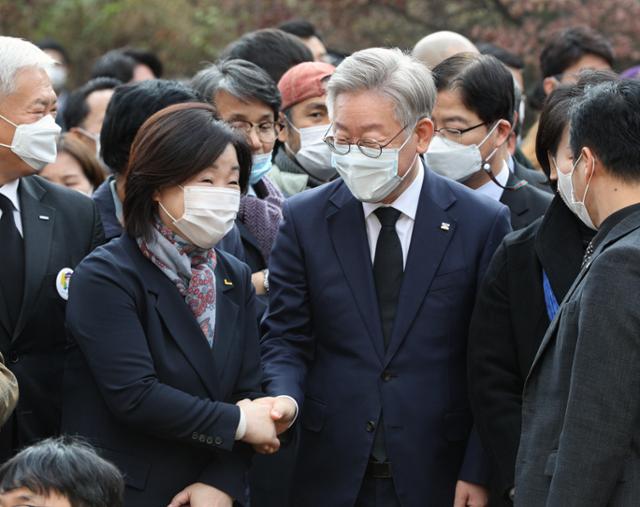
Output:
x=445 y=226
x=43 y=217
x=227 y=282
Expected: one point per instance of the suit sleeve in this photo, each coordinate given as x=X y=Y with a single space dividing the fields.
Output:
x=287 y=344
x=475 y=467
x=102 y=317
x=495 y=379
x=601 y=417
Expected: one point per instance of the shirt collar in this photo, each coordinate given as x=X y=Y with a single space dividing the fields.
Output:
x=10 y=191
x=407 y=202
x=492 y=190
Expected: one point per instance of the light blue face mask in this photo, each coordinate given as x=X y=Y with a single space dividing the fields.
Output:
x=260 y=167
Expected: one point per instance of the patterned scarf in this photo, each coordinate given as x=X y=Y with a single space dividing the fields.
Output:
x=190 y=268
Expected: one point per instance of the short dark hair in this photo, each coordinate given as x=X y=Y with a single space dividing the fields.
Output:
x=505 y=56
x=114 y=64
x=129 y=108
x=568 y=46
x=271 y=49
x=555 y=113
x=300 y=28
x=54 y=45
x=485 y=84
x=240 y=78
x=172 y=146
x=76 y=109
x=67 y=467
x=144 y=57
x=607 y=120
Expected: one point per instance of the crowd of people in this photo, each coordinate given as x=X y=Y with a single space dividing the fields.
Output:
x=300 y=278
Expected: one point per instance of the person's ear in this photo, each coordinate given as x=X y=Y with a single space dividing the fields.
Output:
x=549 y=84
x=424 y=130
x=591 y=163
x=283 y=134
x=503 y=131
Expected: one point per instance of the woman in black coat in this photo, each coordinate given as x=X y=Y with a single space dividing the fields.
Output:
x=164 y=339
x=527 y=279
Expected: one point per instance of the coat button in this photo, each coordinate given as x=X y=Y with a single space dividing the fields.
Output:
x=218 y=440
x=194 y=435
x=13 y=357
x=371 y=426
x=387 y=375
x=209 y=440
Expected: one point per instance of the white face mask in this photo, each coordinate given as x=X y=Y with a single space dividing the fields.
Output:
x=314 y=154
x=457 y=161
x=209 y=214
x=567 y=192
x=35 y=143
x=370 y=179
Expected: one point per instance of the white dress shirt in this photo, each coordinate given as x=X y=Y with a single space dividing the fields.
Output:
x=492 y=190
x=10 y=190
x=407 y=204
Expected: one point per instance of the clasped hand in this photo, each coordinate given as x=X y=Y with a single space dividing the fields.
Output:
x=267 y=418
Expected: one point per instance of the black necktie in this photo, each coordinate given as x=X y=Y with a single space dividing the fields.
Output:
x=11 y=261
x=387 y=274
x=388 y=269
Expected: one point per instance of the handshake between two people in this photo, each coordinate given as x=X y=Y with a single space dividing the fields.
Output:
x=266 y=418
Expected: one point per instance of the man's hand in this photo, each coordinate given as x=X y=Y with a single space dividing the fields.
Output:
x=261 y=429
x=201 y=495
x=470 y=495
x=283 y=411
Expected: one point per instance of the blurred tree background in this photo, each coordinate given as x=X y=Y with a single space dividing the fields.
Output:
x=186 y=33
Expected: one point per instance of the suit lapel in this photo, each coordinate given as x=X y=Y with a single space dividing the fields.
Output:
x=179 y=320
x=429 y=242
x=38 y=221
x=628 y=225
x=348 y=233
x=226 y=318
x=514 y=199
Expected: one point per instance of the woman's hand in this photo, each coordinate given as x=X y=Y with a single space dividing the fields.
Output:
x=257 y=279
x=201 y=495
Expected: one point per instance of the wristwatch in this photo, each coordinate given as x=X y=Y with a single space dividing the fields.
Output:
x=265 y=272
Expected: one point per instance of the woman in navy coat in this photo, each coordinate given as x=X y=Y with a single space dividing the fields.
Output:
x=164 y=345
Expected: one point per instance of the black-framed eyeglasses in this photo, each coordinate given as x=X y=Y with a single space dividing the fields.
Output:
x=368 y=147
x=267 y=131
x=455 y=134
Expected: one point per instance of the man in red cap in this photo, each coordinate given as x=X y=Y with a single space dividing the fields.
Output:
x=303 y=160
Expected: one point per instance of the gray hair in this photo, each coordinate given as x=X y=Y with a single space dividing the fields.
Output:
x=392 y=73
x=240 y=78
x=15 y=55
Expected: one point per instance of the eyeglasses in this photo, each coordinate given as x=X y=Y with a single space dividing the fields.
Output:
x=267 y=131
x=455 y=134
x=368 y=147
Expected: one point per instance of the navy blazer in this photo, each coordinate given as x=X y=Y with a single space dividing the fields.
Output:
x=324 y=345
x=231 y=243
x=142 y=383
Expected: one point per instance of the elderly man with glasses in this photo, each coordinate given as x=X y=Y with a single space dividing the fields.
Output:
x=373 y=279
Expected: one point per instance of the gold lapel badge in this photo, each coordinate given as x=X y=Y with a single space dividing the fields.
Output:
x=227 y=282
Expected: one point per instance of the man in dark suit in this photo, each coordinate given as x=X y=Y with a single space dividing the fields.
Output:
x=45 y=230
x=473 y=116
x=373 y=279
x=580 y=437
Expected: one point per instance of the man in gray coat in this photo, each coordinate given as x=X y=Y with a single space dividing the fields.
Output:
x=580 y=443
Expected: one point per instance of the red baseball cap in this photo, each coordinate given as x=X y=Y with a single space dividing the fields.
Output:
x=303 y=81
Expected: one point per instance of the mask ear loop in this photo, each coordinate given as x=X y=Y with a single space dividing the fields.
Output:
x=486 y=167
